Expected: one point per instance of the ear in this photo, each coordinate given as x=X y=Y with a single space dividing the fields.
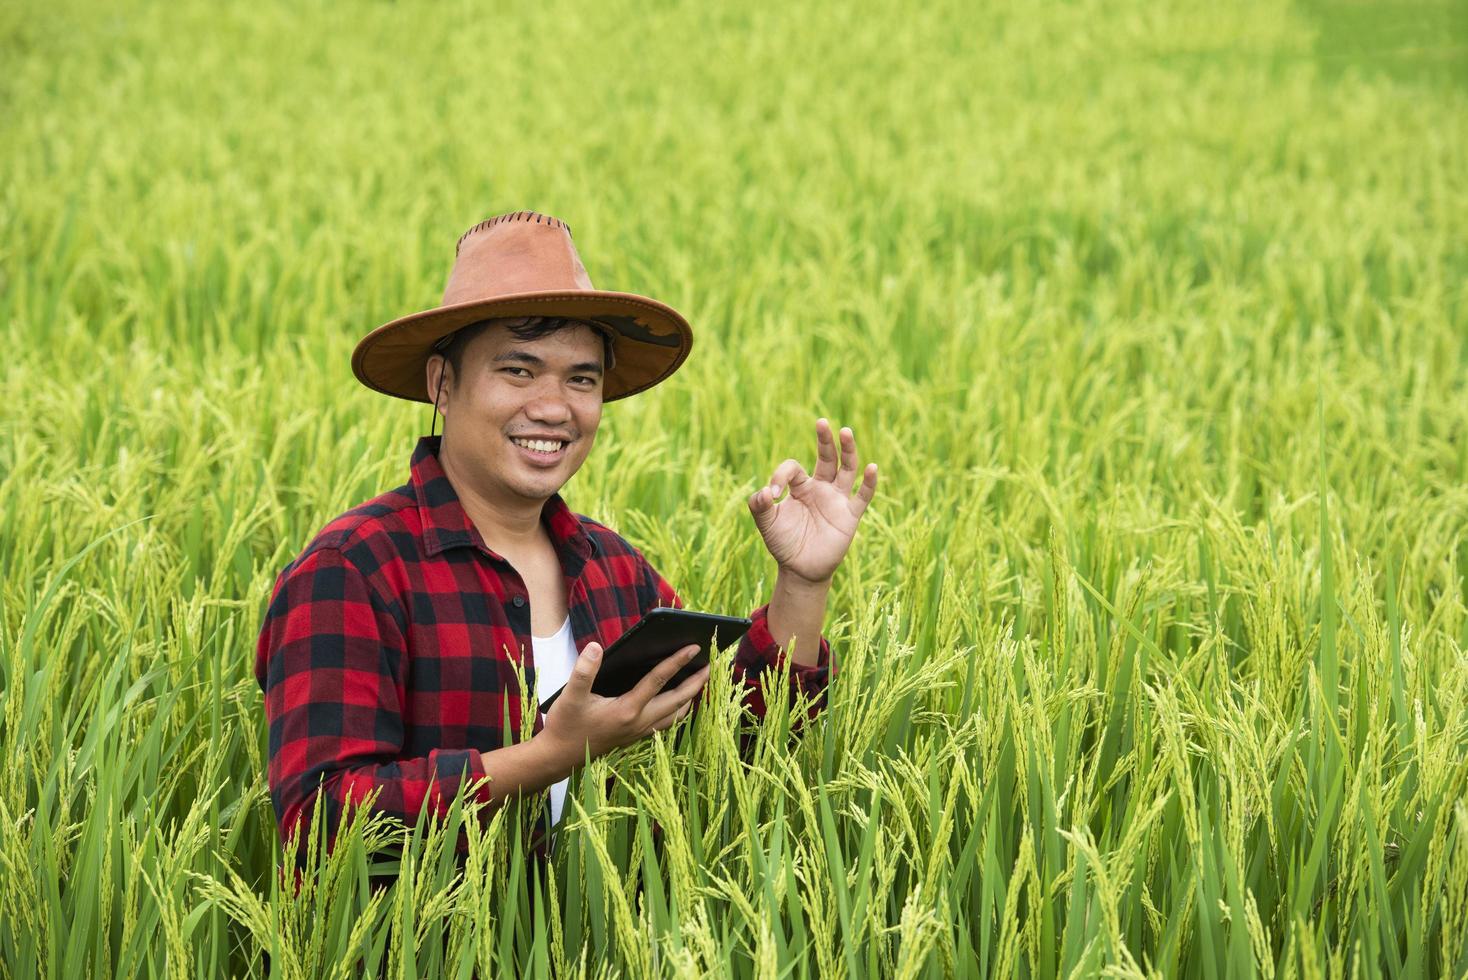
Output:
x=439 y=373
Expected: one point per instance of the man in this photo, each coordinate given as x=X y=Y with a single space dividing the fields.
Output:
x=391 y=650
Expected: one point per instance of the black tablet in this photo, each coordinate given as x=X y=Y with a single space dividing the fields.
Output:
x=662 y=632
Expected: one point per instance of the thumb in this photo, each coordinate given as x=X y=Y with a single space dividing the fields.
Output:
x=588 y=662
x=762 y=506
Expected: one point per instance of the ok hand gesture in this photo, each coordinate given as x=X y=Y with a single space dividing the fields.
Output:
x=810 y=530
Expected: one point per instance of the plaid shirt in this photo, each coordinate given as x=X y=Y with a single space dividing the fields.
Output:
x=389 y=652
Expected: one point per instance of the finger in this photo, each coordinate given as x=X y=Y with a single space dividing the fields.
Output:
x=583 y=673
x=682 y=694
x=673 y=718
x=846 y=476
x=825 y=451
x=866 y=491
x=762 y=506
x=679 y=709
x=657 y=678
x=788 y=474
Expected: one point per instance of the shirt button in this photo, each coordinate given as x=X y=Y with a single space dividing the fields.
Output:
x=519 y=601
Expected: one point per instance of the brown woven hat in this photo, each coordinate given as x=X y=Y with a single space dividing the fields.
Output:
x=524 y=264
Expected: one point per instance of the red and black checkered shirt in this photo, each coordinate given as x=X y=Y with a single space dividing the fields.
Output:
x=389 y=652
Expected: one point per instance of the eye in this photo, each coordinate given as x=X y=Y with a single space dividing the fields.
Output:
x=526 y=373
x=581 y=378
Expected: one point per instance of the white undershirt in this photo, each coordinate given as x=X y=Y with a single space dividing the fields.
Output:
x=554 y=658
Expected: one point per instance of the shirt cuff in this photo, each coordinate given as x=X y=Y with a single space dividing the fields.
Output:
x=758 y=649
x=479 y=781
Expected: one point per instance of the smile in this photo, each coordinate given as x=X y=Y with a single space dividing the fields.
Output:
x=542 y=449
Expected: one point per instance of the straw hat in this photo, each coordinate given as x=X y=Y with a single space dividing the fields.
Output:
x=524 y=264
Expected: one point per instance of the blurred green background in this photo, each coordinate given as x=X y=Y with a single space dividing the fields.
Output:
x=1116 y=295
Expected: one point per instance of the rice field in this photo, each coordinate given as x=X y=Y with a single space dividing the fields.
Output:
x=1151 y=648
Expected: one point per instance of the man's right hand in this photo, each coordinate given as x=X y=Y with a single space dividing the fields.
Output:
x=582 y=724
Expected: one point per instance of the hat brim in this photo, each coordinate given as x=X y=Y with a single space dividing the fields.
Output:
x=652 y=339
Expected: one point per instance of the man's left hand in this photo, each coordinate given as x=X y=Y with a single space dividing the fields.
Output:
x=810 y=530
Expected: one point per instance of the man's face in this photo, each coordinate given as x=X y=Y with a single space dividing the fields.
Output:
x=516 y=399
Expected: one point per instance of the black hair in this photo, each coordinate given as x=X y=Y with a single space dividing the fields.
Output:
x=524 y=328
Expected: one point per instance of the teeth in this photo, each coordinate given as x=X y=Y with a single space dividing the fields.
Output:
x=539 y=445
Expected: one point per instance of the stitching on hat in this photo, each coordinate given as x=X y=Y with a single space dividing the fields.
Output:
x=511 y=216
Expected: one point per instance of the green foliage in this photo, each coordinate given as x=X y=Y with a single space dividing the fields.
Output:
x=1151 y=648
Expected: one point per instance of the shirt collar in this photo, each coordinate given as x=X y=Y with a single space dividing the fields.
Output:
x=446 y=524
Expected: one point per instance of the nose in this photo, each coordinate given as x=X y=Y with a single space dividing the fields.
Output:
x=548 y=406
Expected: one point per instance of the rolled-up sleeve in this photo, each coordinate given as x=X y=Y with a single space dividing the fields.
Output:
x=332 y=661
x=758 y=652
